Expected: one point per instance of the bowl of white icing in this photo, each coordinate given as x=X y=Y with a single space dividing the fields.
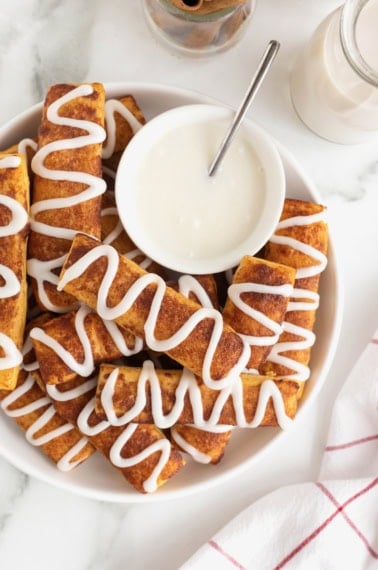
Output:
x=181 y=217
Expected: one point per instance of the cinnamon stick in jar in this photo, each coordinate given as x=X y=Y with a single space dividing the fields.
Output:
x=205 y=6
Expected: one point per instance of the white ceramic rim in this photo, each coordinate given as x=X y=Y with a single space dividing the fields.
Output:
x=127 y=187
x=35 y=464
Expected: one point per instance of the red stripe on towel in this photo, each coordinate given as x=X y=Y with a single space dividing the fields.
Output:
x=324 y=524
x=230 y=558
x=351 y=443
x=331 y=497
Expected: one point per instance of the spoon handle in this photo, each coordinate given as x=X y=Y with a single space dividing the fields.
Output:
x=265 y=63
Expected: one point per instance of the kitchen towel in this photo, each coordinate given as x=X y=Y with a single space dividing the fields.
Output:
x=330 y=524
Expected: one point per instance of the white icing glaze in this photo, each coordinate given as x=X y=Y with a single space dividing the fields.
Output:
x=26 y=143
x=19 y=217
x=86 y=367
x=60 y=396
x=309 y=299
x=65 y=463
x=134 y=253
x=109 y=171
x=12 y=355
x=302 y=272
x=111 y=313
x=163 y=445
x=83 y=420
x=95 y=186
x=187 y=385
x=116 y=232
x=188 y=284
x=10 y=161
x=235 y=292
x=197 y=455
x=11 y=286
x=40 y=423
x=113 y=106
x=43 y=272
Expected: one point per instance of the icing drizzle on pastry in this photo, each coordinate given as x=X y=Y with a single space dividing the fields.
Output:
x=95 y=186
x=113 y=106
x=26 y=143
x=162 y=445
x=11 y=285
x=235 y=293
x=111 y=313
x=65 y=463
x=87 y=366
x=188 y=386
x=309 y=299
x=116 y=232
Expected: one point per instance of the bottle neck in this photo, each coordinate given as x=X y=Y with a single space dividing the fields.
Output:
x=351 y=14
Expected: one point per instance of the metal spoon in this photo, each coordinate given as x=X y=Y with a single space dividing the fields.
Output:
x=265 y=63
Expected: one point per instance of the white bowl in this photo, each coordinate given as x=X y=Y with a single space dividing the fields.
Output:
x=96 y=478
x=158 y=231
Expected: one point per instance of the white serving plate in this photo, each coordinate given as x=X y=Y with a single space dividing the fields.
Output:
x=96 y=478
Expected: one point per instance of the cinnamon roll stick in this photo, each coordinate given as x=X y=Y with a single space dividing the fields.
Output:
x=123 y=118
x=142 y=454
x=256 y=304
x=171 y=397
x=300 y=241
x=36 y=415
x=14 y=205
x=67 y=184
x=120 y=290
x=75 y=343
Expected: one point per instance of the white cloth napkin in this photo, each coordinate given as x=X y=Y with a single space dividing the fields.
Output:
x=324 y=525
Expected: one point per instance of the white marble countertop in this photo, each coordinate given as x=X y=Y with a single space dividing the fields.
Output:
x=49 y=41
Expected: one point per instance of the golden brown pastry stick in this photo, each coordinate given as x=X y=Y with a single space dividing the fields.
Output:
x=256 y=304
x=35 y=414
x=122 y=396
x=202 y=445
x=28 y=148
x=143 y=455
x=194 y=336
x=74 y=343
x=300 y=241
x=202 y=289
x=14 y=206
x=123 y=118
x=67 y=183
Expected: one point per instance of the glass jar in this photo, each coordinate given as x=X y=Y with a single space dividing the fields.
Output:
x=334 y=83
x=201 y=28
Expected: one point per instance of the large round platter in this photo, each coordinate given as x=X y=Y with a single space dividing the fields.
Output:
x=96 y=478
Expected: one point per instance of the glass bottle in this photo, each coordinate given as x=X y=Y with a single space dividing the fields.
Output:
x=334 y=83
